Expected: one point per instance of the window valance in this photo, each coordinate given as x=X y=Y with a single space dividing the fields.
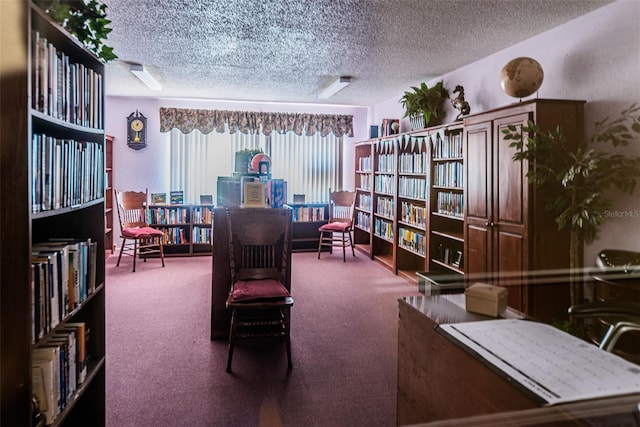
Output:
x=187 y=119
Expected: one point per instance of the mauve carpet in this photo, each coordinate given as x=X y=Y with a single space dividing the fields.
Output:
x=162 y=369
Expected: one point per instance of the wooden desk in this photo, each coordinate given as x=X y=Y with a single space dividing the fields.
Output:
x=439 y=379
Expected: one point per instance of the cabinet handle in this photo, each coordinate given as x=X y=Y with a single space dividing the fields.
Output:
x=488 y=224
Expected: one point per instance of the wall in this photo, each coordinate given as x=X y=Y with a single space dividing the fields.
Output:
x=595 y=58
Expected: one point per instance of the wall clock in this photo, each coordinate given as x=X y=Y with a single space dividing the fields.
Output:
x=136 y=130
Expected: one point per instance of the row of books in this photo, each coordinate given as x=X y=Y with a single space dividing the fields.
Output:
x=364 y=164
x=413 y=163
x=366 y=182
x=448 y=147
x=64 y=89
x=202 y=215
x=386 y=163
x=363 y=220
x=168 y=215
x=413 y=214
x=364 y=201
x=450 y=174
x=415 y=242
x=201 y=235
x=308 y=213
x=450 y=203
x=63 y=275
x=172 y=236
x=412 y=187
x=58 y=368
x=385 y=207
x=65 y=172
x=384 y=229
x=384 y=184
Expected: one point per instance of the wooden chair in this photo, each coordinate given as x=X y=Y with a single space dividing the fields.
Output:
x=138 y=239
x=260 y=262
x=340 y=225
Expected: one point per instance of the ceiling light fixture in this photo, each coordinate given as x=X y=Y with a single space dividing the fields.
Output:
x=145 y=77
x=334 y=87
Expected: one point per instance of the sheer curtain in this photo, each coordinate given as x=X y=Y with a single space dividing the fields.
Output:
x=310 y=164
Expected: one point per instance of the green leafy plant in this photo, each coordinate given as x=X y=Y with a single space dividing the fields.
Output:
x=426 y=101
x=85 y=20
x=576 y=179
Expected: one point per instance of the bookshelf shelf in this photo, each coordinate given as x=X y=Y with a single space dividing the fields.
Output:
x=53 y=280
x=307 y=219
x=187 y=228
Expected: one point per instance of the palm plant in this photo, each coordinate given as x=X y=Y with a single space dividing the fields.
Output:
x=576 y=180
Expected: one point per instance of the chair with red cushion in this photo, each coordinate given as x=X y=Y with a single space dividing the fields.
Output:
x=260 y=261
x=338 y=230
x=138 y=239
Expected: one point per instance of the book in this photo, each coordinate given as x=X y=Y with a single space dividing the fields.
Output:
x=277 y=192
x=158 y=198
x=177 y=197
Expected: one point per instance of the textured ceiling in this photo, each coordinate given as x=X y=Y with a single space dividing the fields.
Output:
x=288 y=50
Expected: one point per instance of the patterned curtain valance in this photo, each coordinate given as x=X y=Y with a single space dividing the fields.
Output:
x=187 y=119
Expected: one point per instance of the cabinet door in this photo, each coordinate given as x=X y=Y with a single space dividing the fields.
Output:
x=510 y=212
x=478 y=198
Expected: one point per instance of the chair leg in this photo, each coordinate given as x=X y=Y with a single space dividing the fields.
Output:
x=344 y=249
x=353 y=251
x=287 y=337
x=135 y=253
x=124 y=241
x=320 y=243
x=161 y=252
x=232 y=336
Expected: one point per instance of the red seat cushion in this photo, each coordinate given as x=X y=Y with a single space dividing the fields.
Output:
x=336 y=226
x=136 y=233
x=251 y=290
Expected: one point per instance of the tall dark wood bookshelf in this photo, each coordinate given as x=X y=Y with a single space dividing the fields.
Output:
x=31 y=215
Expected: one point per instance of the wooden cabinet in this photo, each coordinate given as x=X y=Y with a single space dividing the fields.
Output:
x=364 y=196
x=52 y=184
x=108 y=196
x=187 y=228
x=307 y=219
x=507 y=229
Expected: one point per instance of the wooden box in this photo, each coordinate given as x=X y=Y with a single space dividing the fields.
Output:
x=486 y=299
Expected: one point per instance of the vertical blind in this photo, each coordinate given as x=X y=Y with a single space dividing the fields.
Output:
x=310 y=164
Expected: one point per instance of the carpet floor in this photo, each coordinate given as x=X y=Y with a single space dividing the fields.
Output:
x=163 y=370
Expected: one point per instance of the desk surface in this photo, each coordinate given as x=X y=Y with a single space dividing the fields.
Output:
x=438 y=378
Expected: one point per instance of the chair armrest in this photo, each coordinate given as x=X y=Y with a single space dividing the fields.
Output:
x=609 y=308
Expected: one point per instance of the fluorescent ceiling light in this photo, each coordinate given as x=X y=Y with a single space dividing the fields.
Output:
x=140 y=72
x=334 y=87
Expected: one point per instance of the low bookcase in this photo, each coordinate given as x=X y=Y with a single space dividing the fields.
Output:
x=186 y=228
x=307 y=218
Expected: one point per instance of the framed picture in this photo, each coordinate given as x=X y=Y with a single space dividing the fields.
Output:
x=457 y=259
x=158 y=198
x=177 y=197
x=254 y=194
x=299 y=198
x=206 y=199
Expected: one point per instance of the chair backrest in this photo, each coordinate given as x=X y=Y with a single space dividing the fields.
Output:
x=260 y=244
x=132 y=208
x=342 y=206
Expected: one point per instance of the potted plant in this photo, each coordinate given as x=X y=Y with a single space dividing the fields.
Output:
x=576 y=180
x=425 y=102
x=85 y=20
